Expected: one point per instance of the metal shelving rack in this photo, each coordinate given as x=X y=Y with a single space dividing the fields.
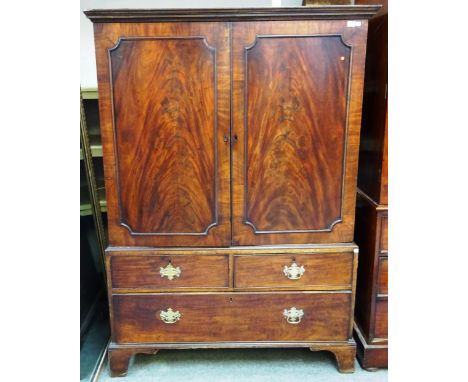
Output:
x=94 y=324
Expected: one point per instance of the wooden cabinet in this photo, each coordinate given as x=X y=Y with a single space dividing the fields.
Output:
x=372 y=206
x=371 y=319
x=230 y=143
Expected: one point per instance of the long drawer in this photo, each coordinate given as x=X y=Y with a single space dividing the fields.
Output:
x=191 y=317
x=294 y=271
x=169 y=272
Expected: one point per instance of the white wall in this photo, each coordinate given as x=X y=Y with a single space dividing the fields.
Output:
x=87 y=60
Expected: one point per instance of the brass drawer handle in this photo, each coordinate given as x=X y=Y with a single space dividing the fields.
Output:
x=169 y=316
x=169 y=271
x=293 y=315
x=294 y=271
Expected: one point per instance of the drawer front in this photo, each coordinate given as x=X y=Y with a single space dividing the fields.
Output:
x=381 y=319
x=169 y=272
x=383 y=275
x=311 y=270
x=384 y=233
x=231 y=317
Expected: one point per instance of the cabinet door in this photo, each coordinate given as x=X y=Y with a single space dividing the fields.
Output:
x=297 y=93
x=164 y=108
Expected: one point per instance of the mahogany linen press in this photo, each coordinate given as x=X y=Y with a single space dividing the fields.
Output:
x=230 y=143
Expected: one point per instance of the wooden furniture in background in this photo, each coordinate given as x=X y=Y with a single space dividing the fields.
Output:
x=230 y=142
x=371 y=327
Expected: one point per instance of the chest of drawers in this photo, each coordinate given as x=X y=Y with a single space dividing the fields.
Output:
x=230 y=144
x=371 y=229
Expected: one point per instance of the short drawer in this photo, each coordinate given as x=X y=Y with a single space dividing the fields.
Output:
x=305 y=270
x=381 y=319
x=169 y=272
x=383 y=275
x=190 y=317
x=384 y=233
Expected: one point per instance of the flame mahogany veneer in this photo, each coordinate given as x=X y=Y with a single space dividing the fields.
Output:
x=230 y=143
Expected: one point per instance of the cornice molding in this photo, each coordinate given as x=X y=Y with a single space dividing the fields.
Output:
x=337 y=12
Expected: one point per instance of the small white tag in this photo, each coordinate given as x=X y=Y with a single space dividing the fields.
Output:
x=353 y=24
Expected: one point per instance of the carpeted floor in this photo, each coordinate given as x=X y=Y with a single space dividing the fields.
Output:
x=240 y=365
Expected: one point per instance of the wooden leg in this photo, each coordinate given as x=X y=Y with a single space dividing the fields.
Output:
x=118 y=362
x=345 y=358
x=344 y=354
x=120 y=357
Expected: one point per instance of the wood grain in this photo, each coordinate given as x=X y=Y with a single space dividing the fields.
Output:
x=370 y=223
x=164 y=114
x=296 y=92
x=297 y=129
x=245 y=250
x=195 y=272
x=383 y=276
x=373 y=160
x=231 y=14
x=384 y=233
x=125 y=351
x=344 y=354
x=381 y=319
x=231 y=317
x=370 y=355
x=371 y=220
x=321 y=270
x=120 y=357
x=164 y=92
x=188 y=108
x=384 y=171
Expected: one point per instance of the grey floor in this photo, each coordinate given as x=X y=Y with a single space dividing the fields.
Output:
x=240 y=365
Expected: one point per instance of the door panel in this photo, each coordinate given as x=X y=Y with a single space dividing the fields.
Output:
x=165 y=140
x=295 y=129
x=168 y=171
x=296 y=102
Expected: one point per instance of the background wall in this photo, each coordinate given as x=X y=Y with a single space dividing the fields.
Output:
x=87 y=60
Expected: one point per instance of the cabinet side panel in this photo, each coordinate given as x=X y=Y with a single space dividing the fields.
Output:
x=366 y=237
x=373 y=173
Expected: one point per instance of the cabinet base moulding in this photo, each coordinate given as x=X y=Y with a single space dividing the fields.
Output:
x=370 y=356
x=119 y=354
